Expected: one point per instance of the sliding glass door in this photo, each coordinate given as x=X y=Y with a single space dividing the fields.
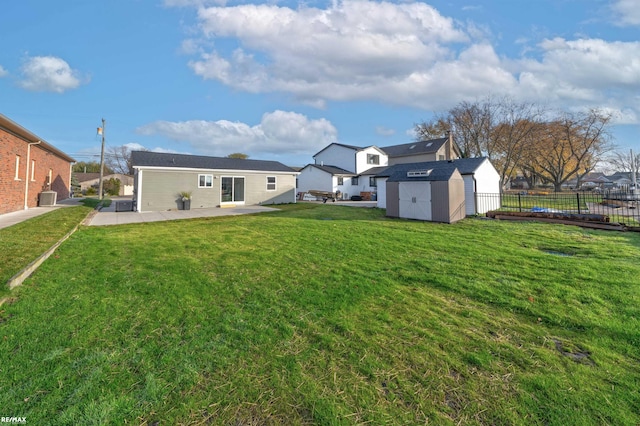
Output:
x=232 y=190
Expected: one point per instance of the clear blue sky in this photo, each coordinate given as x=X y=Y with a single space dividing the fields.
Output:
x=281 y=80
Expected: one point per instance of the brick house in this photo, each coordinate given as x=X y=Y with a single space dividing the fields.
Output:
x=28 y=166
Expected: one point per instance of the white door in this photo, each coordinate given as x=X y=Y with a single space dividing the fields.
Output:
x=415 y=200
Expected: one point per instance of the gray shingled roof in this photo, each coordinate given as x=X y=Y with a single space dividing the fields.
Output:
x=465 y=166
x=414 y=148
x=159 y=159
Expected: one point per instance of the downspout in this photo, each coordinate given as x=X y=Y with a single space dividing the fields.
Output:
x=26 y=180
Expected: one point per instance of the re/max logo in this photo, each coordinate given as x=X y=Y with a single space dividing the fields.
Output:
x=13 y=420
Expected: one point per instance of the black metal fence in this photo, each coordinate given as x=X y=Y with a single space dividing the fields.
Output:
x=619 y=207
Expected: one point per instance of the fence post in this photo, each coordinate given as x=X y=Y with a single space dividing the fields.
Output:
x=578 y=196
x=519 y=203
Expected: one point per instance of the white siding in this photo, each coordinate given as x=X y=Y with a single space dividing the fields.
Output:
x=484 y=180
x=382 y=193
x=487 y=182
x=313 y=178
x=338 y=156
x=469 y=195
x=361 y=159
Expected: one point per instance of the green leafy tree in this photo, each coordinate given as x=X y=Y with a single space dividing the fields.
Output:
x=112 y=186
x=238 y=155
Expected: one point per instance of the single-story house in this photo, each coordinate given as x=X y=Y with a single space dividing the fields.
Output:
x=88 y=180
x=435 y=195
x=160 y=178
x=30 y=168
x=481 y=181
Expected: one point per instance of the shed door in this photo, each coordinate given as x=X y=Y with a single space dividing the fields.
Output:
x=415 y=200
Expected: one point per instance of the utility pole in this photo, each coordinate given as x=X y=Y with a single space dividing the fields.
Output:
x=633 y=174
x=101 y=161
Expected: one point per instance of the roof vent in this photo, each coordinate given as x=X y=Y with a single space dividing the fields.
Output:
x=418 y=173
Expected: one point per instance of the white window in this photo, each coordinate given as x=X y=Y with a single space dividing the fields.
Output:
x=340 y=180
x=354 y=181
x=17 y=167
x=205 y=181
x=33 y=170
x=373 y=159
x=271 y=183
x=372 y=182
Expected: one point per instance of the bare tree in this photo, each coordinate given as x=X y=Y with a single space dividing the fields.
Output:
x=118 y=159
x=621 y=161
x=437 y=128
x=497 y=128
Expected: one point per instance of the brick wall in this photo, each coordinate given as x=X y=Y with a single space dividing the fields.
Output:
x=12 y=190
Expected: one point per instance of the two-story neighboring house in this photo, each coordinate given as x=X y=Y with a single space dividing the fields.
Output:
x=338 y=167
x=352 y=170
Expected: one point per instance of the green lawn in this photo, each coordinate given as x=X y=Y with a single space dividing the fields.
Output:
x=25 y=242
x=324 y=314
x=561 y=201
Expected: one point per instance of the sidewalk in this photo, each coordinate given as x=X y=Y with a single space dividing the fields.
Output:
x=10 y=219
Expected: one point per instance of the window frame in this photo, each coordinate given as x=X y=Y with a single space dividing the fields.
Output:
x=372 y=182
x=207 y=183
x=17 y=176
x=340 y=180
x=373 y=159
x=274 y=183
x=355 y=181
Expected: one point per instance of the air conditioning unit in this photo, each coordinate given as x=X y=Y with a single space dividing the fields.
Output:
x=48 y=198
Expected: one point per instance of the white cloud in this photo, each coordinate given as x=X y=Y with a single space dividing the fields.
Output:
x=384 y=131
x=405 y=54
x=279 y=132
x=3 y=72
x=48 y=74
x=584 y=72
x=627 y=12
x=347 y=51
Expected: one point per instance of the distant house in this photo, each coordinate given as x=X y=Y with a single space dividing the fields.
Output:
x=213 y=181
x=428 y=150
x=30 y=166
x=481 y=181
x=351 y=169
x=88 y=180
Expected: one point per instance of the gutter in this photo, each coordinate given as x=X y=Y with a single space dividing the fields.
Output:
x=26 y=178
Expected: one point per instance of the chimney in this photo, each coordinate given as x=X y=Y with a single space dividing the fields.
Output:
x=448 y=145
